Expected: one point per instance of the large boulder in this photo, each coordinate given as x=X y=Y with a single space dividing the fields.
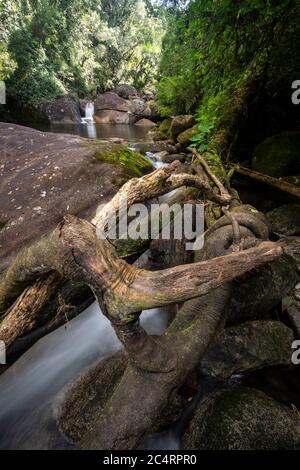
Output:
x=181 y=123
x=82 y=402
x=259 y=291
x=125 y=91
x=110 y=108
x=285 y=219
x=248 y=347
x=145 y=123
x=242 y=419
x=138 y=106
x=85 y=398
x=278 y=155
x=45 y=176
x=64 y=109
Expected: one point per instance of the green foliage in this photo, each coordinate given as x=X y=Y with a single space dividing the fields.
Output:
x=213 y=48
x=201 y=138
x=54 y=47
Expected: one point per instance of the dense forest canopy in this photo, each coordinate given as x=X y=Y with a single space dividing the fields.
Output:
x=199 y=54
x=54 y=47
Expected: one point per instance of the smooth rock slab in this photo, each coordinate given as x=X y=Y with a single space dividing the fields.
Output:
x=45 y=176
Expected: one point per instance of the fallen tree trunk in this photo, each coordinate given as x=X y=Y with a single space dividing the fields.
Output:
x=284 y=186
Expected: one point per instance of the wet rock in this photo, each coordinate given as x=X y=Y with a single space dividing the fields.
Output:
x=285 y=219
x=180 y=124
x=181 y=157
x=145 y=123
x=242 y=419
x=64 y=109
x=161 y=155
x=184 y=137
x=45 y=176
x=155 y=147
x=279 y=155
x=248 y=347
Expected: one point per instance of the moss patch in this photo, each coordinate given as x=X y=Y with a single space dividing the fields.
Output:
x=135 y=163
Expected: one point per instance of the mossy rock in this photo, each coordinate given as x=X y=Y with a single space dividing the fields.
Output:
x=216 y=165
x=243 y=419
x=86 y=398
x=165 y=126
x=158 y=136
x=259 y=291
x=278 y=155
x=184 y=137
x=248 y=347
x=135 y=163
x=181 y=123
x=163 y=132
x=285 y=219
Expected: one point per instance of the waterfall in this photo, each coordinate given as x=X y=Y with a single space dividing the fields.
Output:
x=89 y=112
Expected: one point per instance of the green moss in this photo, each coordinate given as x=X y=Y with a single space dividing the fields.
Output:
x=135 y=163
x=216 y=165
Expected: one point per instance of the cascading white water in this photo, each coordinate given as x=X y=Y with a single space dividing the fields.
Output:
x=89 y=110
x=29 y=389
x=89 y=113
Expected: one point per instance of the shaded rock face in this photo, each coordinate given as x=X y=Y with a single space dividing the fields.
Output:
x=181 y=157
x=248 y=347
x=285 y=219
x=155 y=147
x=62 y=110
x=293 y=312
x=125 y=91
x=279 y=155
x=45 y=176
x=242 y=419
x=181 y=123
x=256 y=293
